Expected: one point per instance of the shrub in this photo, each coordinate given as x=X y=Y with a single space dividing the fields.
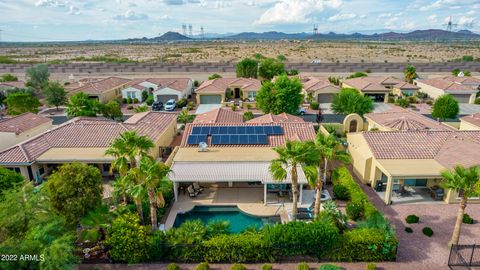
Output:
x=303 y=266
x=203 y=266
x=182 y=103
x=249 y=106
x=237 y=248
x=129 y=100
x=412 y=219
x=427 y=231
x=129 y=107
x=157 y=248
x=190 y=106
x=429 y=102
x=238 y=266
x=341 y=192
x=150 y=100
x=329 y=266
x=135 y=100
x=314 y=105
x=467 y=219
x=371 y=266
x=234 y=108
x=354 y=210
x=408 y=230
x=267 y=267
x=124 y=101
x=248 y=115
x=173 y=266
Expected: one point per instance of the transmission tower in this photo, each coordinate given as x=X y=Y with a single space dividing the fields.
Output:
x=202 y=33
x=184 y=29
x=450 y=25
x=315 y=29
x=190 y=32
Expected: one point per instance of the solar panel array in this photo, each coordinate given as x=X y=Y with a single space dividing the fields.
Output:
x=233 y=135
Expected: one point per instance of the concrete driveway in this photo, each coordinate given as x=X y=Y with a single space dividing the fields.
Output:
x=203 y=108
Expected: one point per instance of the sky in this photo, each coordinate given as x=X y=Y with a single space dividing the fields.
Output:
x=64 y=20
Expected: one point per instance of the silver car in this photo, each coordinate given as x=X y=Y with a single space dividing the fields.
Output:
x=170 y=105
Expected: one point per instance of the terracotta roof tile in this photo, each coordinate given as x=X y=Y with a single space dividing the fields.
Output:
x=473 y=119
x=366 y=85
x=23 y=122
x=220 y=115
x=402 y=119
x=272 y=118
x=98 y=87
x=221 y=84
x=316 y=83
x=447 y=84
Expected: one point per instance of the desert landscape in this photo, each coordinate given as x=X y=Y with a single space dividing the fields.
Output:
x=295 y=51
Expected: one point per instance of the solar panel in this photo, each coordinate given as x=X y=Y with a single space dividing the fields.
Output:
x=196 y=130
x=215 y=139
x=232 y=130
x=252 y=139
x=234 y=139
x=224 y=139
x=223 y=130
x=243 y=139
x=241 y=130
x=205 y=130
x=214 y=130
x=277 y=130
x=262 y=139
x=249 y=130
x=196 y=139
x=268 y=130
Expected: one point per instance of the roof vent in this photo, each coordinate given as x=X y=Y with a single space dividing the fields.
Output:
x=203 y=147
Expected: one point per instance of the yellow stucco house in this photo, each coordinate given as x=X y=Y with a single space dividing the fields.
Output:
x=215 y=91
x=22 y=127
x=104 y=90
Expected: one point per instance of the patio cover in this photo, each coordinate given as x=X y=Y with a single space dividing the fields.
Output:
x=65 y=155
x=427 y=168
x=227 y=172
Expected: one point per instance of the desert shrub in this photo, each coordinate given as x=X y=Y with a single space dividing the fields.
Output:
x=341 y=192
x=354 y=210
x=234 y=108
x=329 y=266
x=203 y=266
x=238 y=266
x=249 y=106
x=182 y=103
x=190 y=106
x=412 y=219
x=124 y=101
x=303 y=266
x=129 y=107
x=135 y=100
x=429 y=102
x=408 y=230
x=467 y=219
x=371 y=266
x=173 y=266
x=427 y=231
x=129 y=100
x=314 y=105
x=150 y=99
x=267 y=267
x=402 y=102
x=248 y=115
x=421 y=95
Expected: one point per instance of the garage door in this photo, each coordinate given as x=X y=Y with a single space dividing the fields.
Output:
x=324 y=98
x=165 y=98
x=213 y=99
x=462 y=98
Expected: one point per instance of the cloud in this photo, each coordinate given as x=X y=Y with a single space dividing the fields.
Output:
x=450 y=4
x=180 y=2
x=432 y=18
x=296 y=11
x=465 y=21
x=342 y=17
x=49 y=3
x=130 y=15
x=73 y=11
x=221 y=4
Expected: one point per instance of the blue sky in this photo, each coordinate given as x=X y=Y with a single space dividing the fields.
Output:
x=44 y=20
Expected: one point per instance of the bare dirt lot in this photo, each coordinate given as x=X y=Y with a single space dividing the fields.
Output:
x=223 y=51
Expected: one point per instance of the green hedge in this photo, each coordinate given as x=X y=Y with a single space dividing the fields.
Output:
x=237 y=248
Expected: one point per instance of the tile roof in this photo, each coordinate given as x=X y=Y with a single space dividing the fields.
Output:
x=86 y=132
x=179 y=84
x=473 y=119
x=383 y=80
x=317 y=83
x=448 y=84
x=403 y=119
x=98 y=87
x=406 y=85
x=220 y=115
x=221 y=84
x=366 y=85
x=275 y=119
x=463 y=80
x=16 y=84
x=291 y=131
x=22 y=123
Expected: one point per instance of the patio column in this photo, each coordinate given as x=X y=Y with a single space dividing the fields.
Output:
x=388 y=191
x=301 y=193
x=175 y=190
x=264 y=194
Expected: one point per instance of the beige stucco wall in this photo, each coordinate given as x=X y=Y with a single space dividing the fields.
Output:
x=432 y=92
x=165 y=139
x=468 y=126
x=8 y=139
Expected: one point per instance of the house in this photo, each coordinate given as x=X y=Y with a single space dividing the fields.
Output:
x=463 y=89
x=220 y=90
x=275 y=119
x=104 y=90
x=22 y=127
x=162 y=89
x=410 y=153
x=219 y=115
x=378 y=88
x=237 y=153
x=470 y=122
x=319 y=88
x=85 y=140
x=5 y=86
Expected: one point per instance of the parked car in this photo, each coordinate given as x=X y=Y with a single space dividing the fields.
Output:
x=302 y=111
x=170 y=105
x=157 y=106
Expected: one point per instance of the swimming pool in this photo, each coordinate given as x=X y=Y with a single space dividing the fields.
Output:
x=239 y=220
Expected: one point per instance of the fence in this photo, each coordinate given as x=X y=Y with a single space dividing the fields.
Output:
x=464 y=257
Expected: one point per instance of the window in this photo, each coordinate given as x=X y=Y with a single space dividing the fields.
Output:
x=131 y=94
x=41 y=170
x=252 y=95
x=15 y=169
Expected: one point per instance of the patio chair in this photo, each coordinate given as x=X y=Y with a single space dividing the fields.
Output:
x=192 y=192
x=197 y=187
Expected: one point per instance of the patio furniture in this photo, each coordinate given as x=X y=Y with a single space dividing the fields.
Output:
x=436 y=193
x=197 y=187
x=191 y=192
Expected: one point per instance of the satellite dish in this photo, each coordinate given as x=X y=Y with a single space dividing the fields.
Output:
x=461 y=74
x=203 y=146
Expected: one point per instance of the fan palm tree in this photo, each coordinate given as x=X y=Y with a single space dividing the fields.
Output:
x=185 y=118
x=410 y=73
x=292 y=155
x=464 y=181
x=328 y=149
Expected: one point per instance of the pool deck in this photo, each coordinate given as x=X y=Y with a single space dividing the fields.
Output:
x=247 y=199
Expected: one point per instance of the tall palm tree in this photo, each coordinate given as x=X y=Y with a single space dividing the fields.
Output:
x=292 y=155
x=328 y=148
x=126 y=149
x=464 y=181
x=410 y=73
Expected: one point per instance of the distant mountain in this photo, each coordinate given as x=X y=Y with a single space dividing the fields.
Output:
x=272 y=35
x=430 y=34
x=168 y=36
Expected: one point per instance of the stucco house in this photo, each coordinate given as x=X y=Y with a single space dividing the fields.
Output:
x=104 y=89
x=470 y=122
x=215 y=91
x=463 y=89
x=84 y=140
x=162 y=89
x=22 y=127
x=378 y=87
x=319 y=88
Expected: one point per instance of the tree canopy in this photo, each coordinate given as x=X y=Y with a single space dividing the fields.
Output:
x=283 y=95
x=7 y=77
x=55 y=94
x=349 y=101
x=445 y=107
x=357 y=75
x=37 y=76
x=247 y=68
x=410 y=73
x=9 y=179
x=112 y=110
x=270 y=67
x=214 y=76
x=81 y=105
x=74 y=189
x=22 y=102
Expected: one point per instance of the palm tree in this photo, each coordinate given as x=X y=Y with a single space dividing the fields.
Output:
x=464 y=181
x=292 y=155
x=410 y=73
x=328 y=149
x=185 y=118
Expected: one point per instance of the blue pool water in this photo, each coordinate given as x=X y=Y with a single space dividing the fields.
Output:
x=239 y=221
